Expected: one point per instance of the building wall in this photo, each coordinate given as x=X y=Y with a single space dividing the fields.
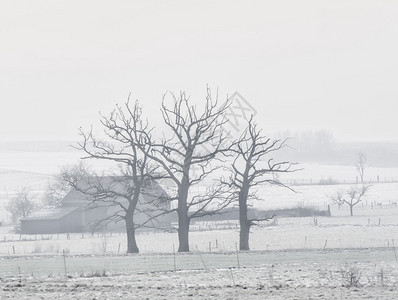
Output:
x=40 y=226
x=69 y=223
x=89 y=219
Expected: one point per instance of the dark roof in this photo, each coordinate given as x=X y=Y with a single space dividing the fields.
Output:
x=51 y=213
x=117 y=184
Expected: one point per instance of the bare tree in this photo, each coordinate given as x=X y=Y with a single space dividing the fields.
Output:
x=58 y=188
x=189 y=154
x=351 y=196
x=252 y=166
x=125 y=144
x=13 y=208
x=21 y=205
x=361 y=165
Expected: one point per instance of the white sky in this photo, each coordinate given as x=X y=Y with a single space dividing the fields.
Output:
x=303 y=65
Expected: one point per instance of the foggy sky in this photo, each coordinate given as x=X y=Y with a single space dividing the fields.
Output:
x=303 y=65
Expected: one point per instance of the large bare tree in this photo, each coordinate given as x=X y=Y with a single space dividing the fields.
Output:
x=188 y=153
x=253 y=165
x=126 y=144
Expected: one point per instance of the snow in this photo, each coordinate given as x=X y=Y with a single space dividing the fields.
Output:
x=292 y=275
x=292 y=258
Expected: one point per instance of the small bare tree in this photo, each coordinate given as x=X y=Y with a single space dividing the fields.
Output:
x=21 y=205
x=189 y=154
x=13 y=209
x=350 y=197
x=252 y=166
x=361 y=165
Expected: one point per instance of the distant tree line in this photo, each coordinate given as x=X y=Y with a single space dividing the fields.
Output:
x=320 y=146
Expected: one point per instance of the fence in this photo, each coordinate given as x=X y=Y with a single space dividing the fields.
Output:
x=333 y=181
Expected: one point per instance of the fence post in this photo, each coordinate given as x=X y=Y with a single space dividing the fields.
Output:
x=174 y=258
x=201 y=258
x=64 y=255
x=237 y=254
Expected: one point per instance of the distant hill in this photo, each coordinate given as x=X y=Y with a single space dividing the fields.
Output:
x=15 y=180
x=311 y=149
x=37 y=146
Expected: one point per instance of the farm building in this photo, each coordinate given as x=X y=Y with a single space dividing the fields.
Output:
x=95 y=200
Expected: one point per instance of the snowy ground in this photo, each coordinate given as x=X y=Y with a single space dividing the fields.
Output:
x=305 y=274
x=340 y=257
x=368 y=228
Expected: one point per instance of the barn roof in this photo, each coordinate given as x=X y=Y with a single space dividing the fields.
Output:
x=118 y=184
x=51 y=213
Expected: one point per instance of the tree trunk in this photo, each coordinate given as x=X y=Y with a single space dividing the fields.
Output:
x=183 y=232
x=243 y=220
x=351 y=210
x=244 y=236
x=183 y=217
x=130 y=230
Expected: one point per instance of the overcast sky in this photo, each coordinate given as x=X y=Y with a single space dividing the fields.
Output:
x=303 y=65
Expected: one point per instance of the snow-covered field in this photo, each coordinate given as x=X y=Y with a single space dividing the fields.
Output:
x=35 y=169
x=338 y=257
x=376 y=227
x=359 y=274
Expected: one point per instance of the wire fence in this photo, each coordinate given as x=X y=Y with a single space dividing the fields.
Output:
x=333 y=181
